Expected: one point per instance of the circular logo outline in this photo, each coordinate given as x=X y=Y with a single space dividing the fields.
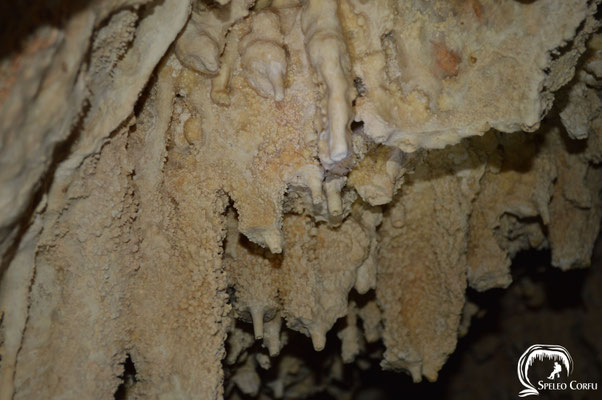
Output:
x=540 y=351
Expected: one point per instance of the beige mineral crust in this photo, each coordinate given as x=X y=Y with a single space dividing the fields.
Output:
x=195 y=185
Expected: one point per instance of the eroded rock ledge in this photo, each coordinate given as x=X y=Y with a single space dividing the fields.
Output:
x=173 y=170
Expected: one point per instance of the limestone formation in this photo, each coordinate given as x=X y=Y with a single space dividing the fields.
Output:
x=200 y=186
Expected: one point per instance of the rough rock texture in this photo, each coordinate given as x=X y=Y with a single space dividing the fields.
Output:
x=531 y=307
x=173 y=170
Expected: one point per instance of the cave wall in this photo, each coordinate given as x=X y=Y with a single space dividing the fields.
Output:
x=174 y=169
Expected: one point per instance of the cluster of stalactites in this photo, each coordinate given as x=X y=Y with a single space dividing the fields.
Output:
x=207 y=46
